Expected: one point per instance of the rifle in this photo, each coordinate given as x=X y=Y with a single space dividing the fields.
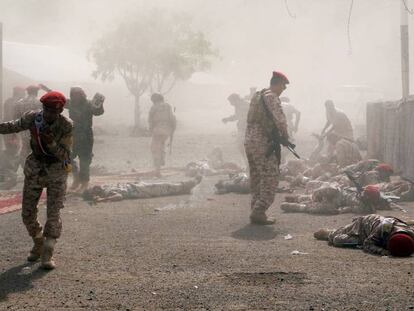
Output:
x=275 y=138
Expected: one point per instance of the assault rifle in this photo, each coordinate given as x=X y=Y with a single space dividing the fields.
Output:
x=276 y=139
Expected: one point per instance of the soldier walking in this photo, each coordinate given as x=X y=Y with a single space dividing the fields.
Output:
x=46 y=167
x=241 y=108
x=81 y=111
x=162 y=125
x=264 y=115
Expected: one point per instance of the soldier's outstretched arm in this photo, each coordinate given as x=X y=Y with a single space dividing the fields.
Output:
x=19 y=125
x=276 y=110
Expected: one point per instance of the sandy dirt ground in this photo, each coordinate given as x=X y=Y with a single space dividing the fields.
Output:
x=194 y=252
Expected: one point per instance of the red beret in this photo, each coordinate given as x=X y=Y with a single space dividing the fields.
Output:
x=53 y=99
x=400 y=244
x=384 y=167
x=281 y=76
x=372 y=192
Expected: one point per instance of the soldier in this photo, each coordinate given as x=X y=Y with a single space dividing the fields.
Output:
x=237 y=183
x=252 y=92
x=337 y=122
x=139 y=190
x=292 y=116
x=334 y=200
x=241 y=108
x=81 y=111
x=162 y=125
x=265 y=114
x=343 y=150
x=45 y=167
x=11 y=142
x=29 y=103
x=375 y=234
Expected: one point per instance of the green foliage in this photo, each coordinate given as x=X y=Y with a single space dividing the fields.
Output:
x=151 y=51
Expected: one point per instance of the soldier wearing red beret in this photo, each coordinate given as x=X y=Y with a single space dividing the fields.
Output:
x=264 y=116
x=46 y=167
x=375 y=234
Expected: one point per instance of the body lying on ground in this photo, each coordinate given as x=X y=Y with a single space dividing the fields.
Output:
x=373 y=233
x=139 y=190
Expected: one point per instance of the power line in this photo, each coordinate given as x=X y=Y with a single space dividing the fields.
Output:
x=406 y=7
x=288 y=10
x=349 y=28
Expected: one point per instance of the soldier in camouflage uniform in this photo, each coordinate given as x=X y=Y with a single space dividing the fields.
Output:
x=330 y=200
x=162 y=124
x=337 y=122
x=45 y=167
x=29 y=103
x=10 y=103
x=373 y=233
x=81 y=111
x=139 y=190
x=241 y=108
x=264 y=114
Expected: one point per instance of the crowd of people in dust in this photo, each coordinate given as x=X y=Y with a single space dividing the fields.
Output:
x=334 y=179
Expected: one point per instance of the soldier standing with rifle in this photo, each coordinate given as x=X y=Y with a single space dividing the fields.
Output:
x=266 y=131
x=46 y=167
x=162 y=124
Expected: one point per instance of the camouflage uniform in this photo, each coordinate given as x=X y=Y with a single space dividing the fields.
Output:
x=30 y=103
x=264 y=171
x=371 y=232
x=162 y=124
x=347 y=153
x=238 y=183
x=43 y=171
x=141 y=190
x=331 y=200
x=82 y=114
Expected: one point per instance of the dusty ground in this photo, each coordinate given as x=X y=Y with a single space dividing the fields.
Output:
x=194 y=252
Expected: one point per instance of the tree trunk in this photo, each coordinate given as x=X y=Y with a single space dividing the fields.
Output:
x=138 y=130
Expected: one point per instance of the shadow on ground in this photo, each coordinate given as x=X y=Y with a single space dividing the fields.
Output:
x=255 y=233
x=19 y=279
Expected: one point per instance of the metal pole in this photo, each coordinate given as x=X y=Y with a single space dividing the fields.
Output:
x=1 y=71
x=405 y=58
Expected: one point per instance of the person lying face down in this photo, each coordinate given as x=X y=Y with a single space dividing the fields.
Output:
x=139 y=190
x=373 y=233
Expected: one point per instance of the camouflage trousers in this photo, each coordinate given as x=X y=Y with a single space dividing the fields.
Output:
x=264 y=177
x=158 y=150
x=240 y=146
x=39 y=175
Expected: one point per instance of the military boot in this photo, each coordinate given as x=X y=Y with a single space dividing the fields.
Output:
x=37 y=248
x=322 y=234
x=260 y=218
x=47 y=254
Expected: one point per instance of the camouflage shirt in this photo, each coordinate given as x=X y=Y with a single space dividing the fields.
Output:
x=371 y=232
x=26 y=104
x=61 y=129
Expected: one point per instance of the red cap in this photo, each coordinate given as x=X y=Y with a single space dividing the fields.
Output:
x=281 y=76
x=372 y=193
x=400 y=244
x=384 y=167
x=54 y=100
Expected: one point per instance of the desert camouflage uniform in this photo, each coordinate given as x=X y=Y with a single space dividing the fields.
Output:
x=240 y=115
x=82 y=114
x=43 y=171
x=238 y=183
x=331 y=200
x=30 y=103
x=264 y=171
x=370 y=232
x=347 y=153
x=162 y=124
x=141 y=190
